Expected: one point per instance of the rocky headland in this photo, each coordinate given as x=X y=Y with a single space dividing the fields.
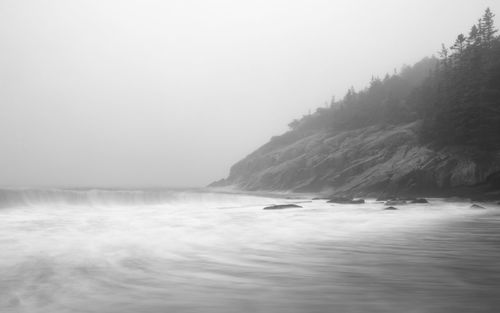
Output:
x=374 y=161
x=432 y=129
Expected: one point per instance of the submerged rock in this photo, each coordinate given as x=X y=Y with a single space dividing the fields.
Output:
x=419 y=200
x=281 y=206
x=391 y=208
x=477 y=206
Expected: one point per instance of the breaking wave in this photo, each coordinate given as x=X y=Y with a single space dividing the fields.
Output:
x=116 y=197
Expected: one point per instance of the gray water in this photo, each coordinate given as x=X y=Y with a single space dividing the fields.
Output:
x=192 y=251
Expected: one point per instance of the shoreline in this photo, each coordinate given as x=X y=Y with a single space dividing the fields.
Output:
x=472 y=194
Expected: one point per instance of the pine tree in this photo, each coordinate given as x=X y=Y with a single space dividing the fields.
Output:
x=458 y=102
x=459 y=45
x=488 y=30
x=473 y=36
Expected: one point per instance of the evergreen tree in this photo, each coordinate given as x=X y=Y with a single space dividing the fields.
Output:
x=457 y=97
x=488 y=30
x=473 y=38
x=459 y=46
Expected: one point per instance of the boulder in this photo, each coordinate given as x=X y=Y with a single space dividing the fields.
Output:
x=391 y=208
x=281 y=206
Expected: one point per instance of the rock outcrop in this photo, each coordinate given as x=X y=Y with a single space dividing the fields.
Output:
x=281 y=206
x=391 y=208
x=377 y=160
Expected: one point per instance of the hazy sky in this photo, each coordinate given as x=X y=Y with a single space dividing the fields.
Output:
x=172 y=93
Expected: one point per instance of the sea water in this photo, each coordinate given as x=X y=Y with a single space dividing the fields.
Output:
x=201 y=251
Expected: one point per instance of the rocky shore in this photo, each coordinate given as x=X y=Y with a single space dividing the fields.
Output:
x=380 y=161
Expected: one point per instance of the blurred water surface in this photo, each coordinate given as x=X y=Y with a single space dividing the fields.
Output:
x=198 y=251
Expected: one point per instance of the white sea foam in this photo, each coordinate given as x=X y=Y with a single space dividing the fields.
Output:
x=198 y=251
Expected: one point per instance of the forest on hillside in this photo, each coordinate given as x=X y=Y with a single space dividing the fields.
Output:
x=456 y=95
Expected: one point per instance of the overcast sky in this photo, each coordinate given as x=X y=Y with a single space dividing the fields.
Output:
x=172 y=93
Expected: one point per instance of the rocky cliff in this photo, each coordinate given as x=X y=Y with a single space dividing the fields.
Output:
x=378 y=160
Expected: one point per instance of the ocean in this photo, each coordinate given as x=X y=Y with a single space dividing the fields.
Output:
x=182 y=250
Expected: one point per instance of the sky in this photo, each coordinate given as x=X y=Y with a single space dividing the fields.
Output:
x=144 y=93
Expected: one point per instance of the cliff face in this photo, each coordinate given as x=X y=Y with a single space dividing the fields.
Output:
x=375 y=160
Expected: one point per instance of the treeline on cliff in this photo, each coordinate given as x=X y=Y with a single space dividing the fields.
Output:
x=456 y=96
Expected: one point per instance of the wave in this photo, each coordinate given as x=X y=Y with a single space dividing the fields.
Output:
x=113 y=197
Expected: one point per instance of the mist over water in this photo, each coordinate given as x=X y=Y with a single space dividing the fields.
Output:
x=200 y=251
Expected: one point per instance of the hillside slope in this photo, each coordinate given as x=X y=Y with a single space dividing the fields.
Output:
x=432 y=129
x=377 y=160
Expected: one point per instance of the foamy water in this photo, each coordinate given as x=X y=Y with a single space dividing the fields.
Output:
x=194 y=251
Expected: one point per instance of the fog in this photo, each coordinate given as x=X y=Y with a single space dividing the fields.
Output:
x=171 y=93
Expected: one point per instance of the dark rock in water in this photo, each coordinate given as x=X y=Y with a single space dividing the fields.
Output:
x=391 y=208
x=281 y=206
x=420 y=200
x=319 y=198
x=477 y=206
x=343 y=200
x=395 y=202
